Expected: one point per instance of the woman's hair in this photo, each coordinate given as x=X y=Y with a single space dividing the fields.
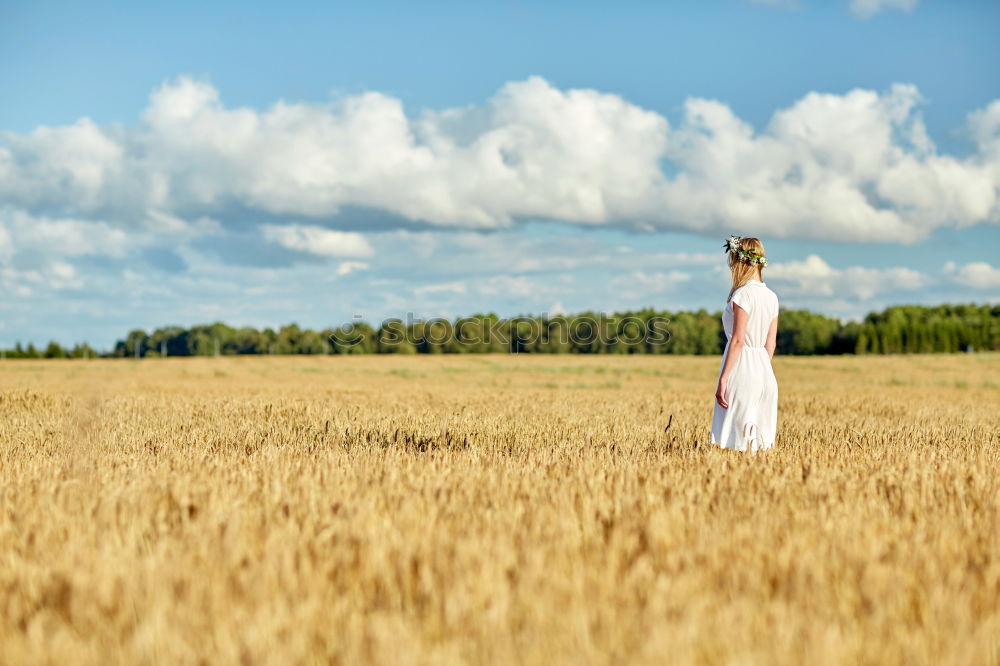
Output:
x=746 y=268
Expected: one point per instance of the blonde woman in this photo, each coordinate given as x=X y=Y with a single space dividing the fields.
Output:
x=746 y=399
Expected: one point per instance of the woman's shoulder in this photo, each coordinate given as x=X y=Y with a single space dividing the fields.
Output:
x=771 y=296
x=751 y=288
x=753 y=291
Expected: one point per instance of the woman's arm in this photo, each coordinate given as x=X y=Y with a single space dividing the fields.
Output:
x=736 y=343
x=772 y=337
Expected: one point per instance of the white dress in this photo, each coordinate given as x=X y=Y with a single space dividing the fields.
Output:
x=752 y=390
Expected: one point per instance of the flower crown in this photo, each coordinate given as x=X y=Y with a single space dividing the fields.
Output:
x=732 y=246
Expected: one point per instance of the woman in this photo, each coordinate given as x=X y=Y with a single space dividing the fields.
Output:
x=746 y=409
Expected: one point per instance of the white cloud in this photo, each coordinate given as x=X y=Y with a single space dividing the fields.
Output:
x=816 y=278
x=6 y=245
x=513 y=286
x=62 y=275
x=854 y=167
x=63 y=237
x=851 y=167
x=170 y=225
x=977 y=274
x=457 y=287
x=318 y=241
x=52 y=274
x=984 y=125
x=77 y=163
x=865 y=9
x=512 y=251
x=641 y=283
x=348 y=267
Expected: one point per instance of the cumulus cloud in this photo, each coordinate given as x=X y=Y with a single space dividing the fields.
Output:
x=976 y=274
x=852 y=167
x=35 y=250
x=53 y=275
x=65 y=237
x=77 y=165
x=865 y=9
x=985 y=127
x=317 y=240
x=813 y=276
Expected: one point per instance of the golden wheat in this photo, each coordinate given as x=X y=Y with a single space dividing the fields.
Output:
x=495 y=509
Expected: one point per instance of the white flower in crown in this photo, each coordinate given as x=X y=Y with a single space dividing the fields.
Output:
x=732 y=244
x=762 y=261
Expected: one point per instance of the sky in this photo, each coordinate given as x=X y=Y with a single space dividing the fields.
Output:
x=266 y=163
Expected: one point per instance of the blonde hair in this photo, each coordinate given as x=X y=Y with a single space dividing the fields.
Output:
x=744 y=271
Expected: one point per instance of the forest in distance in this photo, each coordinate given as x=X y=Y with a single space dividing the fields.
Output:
x=897 y=329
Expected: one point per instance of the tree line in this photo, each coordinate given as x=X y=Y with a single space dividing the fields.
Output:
x=897 y=329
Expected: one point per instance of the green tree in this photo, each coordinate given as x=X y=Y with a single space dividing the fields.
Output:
x=54 y=350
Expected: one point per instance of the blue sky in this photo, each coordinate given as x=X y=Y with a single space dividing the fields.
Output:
x=172 y=163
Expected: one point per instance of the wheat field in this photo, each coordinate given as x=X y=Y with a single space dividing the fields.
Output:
x=495 y=510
